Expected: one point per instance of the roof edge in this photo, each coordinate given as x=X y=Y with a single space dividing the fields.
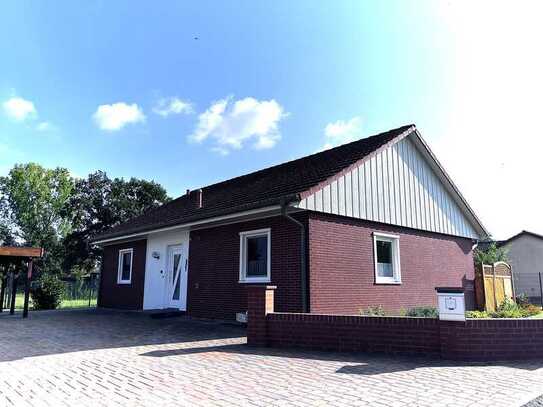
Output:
x=522 y=232
x=468 y=209
x=412 y=128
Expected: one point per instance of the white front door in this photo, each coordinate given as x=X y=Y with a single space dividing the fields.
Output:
x=176 y=278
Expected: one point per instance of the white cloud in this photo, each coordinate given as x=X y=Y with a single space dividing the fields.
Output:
x=341 y=132
x=231 y=124
x=117 y=115
x=19 y=109
x=173 y=105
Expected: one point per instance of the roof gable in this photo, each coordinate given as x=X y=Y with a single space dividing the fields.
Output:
x=259 y=189
x=402 y=184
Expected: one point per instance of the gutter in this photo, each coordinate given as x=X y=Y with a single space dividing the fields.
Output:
x=303 y=255
x=205 y=221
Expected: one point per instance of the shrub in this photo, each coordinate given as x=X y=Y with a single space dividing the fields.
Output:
x=377 y=311
x=491 y=255
x=508 y=309
x=523 y=300
x=46 y=292
x=477 y=314
x=427 y=312
x=530 y=310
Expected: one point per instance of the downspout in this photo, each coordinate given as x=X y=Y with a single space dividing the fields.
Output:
x=303 y=254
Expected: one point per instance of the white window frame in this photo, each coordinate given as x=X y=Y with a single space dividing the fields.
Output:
x=122 y=252
x=396 y=268
x=243 y=236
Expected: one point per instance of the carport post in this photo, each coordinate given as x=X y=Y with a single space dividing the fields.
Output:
x=14 y=279
x=2 y=292
x=27 y=288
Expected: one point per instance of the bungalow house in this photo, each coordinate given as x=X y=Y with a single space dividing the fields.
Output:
x=373 y=222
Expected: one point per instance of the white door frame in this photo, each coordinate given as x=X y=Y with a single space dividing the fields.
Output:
x=176 y=278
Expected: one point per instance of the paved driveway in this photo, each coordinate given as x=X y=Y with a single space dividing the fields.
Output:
x=94 y=358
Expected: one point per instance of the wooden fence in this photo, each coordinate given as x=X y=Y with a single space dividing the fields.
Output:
x=493 y=284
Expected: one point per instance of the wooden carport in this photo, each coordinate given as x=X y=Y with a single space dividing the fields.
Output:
x=16 y=255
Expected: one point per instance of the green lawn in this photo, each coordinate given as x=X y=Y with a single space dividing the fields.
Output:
x=84 y=303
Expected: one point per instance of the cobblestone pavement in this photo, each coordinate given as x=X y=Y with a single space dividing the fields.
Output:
x=103 y=358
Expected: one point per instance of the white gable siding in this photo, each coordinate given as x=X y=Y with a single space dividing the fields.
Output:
x=396 y=186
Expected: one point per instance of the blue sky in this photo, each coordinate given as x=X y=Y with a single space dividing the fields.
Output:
x=125 y=87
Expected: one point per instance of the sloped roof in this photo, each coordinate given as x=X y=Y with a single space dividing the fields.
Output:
x=267 y=187
x=522 y=233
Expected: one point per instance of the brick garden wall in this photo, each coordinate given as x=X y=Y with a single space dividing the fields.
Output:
x=492 y=339
x=353 y=333
x=342 y=276
x=481 y=340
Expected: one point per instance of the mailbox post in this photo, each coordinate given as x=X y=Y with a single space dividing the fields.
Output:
x=451 y=303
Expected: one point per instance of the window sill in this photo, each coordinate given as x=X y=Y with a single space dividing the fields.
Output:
x=387 y=282
x=255 y=281
x=124 y=282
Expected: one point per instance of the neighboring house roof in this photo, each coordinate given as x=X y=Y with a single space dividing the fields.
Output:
x=522 y=233
x=283 y=183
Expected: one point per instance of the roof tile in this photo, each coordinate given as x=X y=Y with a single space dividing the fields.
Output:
x=255 y=190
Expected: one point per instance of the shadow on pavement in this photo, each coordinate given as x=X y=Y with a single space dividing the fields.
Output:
x=355 y=363
x=63 y=331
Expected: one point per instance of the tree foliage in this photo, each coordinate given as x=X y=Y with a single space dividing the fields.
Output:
x=99 y=203
x=33 y=202
x=490 y=255
x=48 y=208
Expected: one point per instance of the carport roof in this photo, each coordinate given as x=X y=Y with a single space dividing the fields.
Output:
x=18 y=251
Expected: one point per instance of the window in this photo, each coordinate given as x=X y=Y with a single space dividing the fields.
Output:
x=124 y=272
x=387 y=258
x=254 y=261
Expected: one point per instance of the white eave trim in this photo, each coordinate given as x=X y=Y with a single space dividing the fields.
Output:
x=190 y=224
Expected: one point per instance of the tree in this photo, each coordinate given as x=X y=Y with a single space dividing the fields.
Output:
x=99 y=203
x=491 y=255
x=33 y=202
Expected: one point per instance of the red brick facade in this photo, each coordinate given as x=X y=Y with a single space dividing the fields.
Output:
x=214 y=290
x=342 y=275
x=123 y=296
x=477 y=339
x=341 y=268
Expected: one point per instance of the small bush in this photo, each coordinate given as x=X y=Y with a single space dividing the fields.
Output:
x=530 y=310
x=377 y=311
x=46 y=292
x=477 y=314
x=523 y=300
x=427 y=312
x=508 y=309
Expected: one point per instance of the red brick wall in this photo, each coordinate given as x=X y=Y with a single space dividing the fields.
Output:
x=342 y=278
x=214 y=290
x=124 y=296
x=476 y=339
x=494 y=339
x=354 y=333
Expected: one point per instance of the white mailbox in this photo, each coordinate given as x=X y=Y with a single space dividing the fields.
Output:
x=451 y=303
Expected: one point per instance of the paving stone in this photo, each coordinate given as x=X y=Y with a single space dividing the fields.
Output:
x=107 y=358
